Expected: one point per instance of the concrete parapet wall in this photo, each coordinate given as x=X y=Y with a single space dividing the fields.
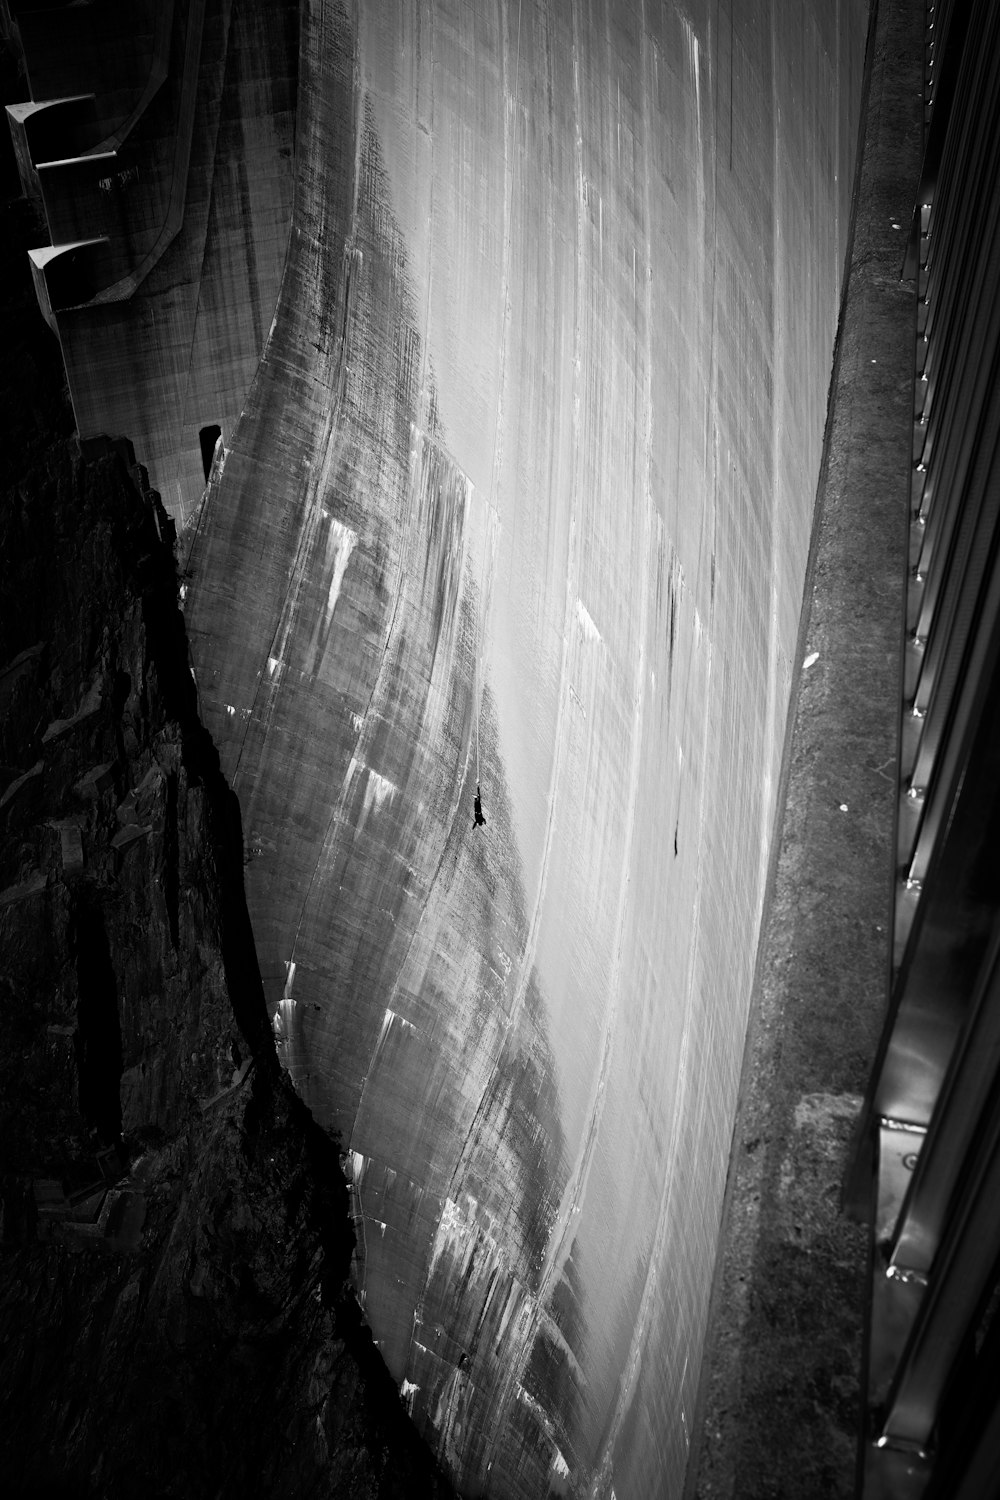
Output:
x=783 y=1396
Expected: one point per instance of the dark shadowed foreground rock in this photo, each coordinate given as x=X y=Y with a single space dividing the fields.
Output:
x=175 y=1317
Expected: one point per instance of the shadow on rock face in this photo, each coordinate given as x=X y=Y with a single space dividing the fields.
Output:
x=175 y=1315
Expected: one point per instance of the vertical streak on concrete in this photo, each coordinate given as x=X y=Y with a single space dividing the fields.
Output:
x=780 y=1400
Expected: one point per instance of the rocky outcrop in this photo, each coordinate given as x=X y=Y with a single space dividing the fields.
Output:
x=175 y=1314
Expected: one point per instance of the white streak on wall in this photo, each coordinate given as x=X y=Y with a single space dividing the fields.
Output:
x=340 y=543
x=451 y=1231
x=352 y=771
x=590 y=630
x=377 y=793
x=281 y=1022
x=390 y=1016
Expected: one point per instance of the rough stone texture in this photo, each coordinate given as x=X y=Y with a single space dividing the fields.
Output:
x=174 y=1312
x=782 y=1404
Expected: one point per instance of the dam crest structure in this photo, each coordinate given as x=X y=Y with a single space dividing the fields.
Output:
x=481 y=353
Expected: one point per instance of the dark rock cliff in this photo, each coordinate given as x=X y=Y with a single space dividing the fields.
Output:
x=175 y=1316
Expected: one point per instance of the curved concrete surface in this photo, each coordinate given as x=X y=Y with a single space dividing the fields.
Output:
x=522 y=495
x=168 y=207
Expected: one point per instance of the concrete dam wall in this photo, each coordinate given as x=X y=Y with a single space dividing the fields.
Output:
x=158 y=142
x=520 y=497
